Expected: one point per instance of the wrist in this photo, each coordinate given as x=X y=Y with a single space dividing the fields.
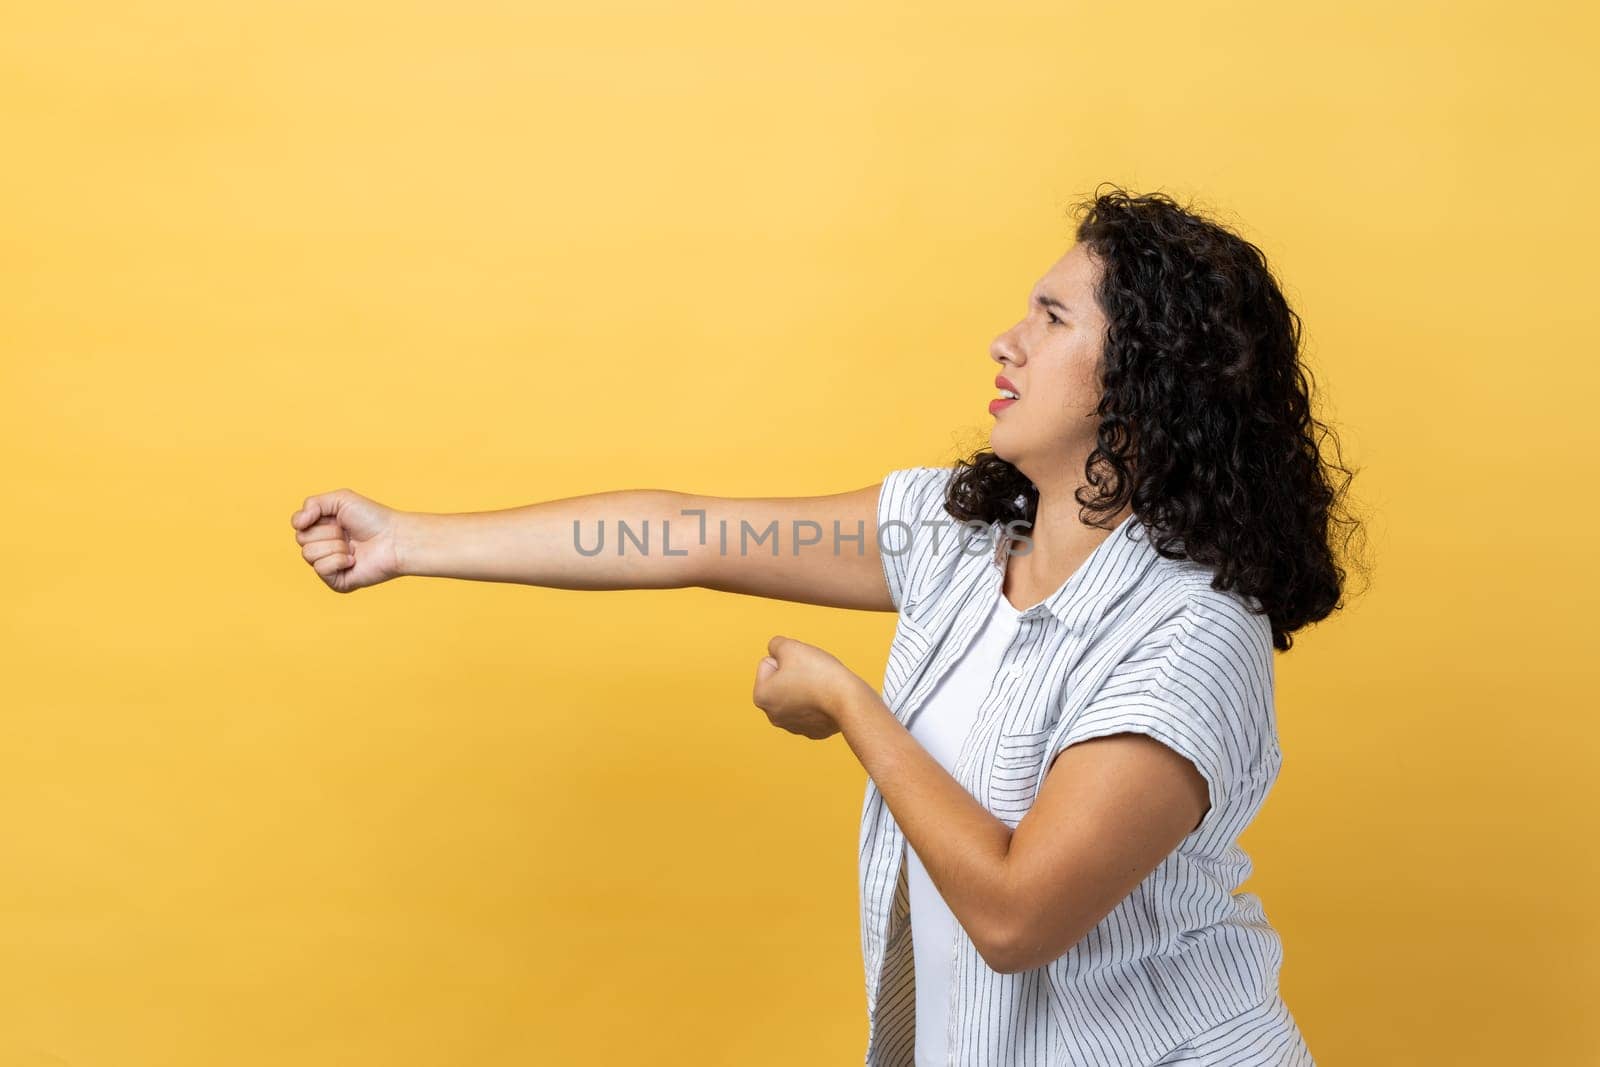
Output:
x=411 y=532
x=855 y=699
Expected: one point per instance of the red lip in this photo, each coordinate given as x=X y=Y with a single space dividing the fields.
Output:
x=1002 y=382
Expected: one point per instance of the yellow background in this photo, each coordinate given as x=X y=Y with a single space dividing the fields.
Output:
x=468 y=256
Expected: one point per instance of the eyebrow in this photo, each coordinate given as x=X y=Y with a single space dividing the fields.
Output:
x=1045 y=300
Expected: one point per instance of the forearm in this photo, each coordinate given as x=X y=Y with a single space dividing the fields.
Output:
x=571 y=543
x=962 y=845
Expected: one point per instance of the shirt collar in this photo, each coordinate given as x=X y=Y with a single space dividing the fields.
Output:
x=1115 y=565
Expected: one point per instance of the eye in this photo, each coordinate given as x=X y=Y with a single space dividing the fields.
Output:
x=1052 y=315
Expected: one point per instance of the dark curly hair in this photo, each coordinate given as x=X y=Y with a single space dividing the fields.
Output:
x=1205 y=421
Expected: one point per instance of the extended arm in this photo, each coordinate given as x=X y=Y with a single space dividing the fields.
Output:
x=816 y=550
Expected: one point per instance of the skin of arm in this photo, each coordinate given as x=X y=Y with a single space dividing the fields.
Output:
x=712 y=542
x=535 y=544
x=1108 y=812
x=814 y=549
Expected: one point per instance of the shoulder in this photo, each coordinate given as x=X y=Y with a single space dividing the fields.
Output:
x=1195 y=656
x=918 y=540
x=1212 y=637
x=1220 y=627
x=1191 y=667
x=909 y=494
x=1177 y=597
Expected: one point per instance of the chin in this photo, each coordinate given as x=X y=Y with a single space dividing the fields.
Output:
x=1000 y=445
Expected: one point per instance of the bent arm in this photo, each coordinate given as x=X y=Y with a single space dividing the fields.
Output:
x=1110 y=812
x=816 y=550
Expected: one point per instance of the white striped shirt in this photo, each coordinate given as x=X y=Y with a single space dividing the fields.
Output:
x=1132 y=641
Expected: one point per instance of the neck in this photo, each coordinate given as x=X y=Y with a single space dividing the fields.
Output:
x=1061 y=541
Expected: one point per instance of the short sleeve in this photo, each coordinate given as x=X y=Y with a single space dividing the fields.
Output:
x=1201 y=684
x=907 y=499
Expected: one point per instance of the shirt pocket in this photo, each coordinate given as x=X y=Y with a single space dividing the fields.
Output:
x=1018 y=761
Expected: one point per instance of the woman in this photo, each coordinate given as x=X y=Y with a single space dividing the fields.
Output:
x=1076 y=722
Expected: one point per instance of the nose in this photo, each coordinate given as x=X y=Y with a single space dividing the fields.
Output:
x=1002 y=350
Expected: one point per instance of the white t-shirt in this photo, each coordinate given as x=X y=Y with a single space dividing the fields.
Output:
x=941 y=728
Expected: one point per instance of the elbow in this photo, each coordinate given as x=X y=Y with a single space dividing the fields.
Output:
x=1000 y=959
x=1005 y=955
x=995 y=937
x=1001 y=945
x=1026 y=927
x=1022 y=944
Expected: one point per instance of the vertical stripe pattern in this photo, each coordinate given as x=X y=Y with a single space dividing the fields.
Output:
x=1132 y=641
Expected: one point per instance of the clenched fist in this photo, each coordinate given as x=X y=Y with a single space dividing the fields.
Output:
x=348 y=540
x=802 y=688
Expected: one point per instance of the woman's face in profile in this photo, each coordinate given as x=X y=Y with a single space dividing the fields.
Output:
x=1052 y=359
